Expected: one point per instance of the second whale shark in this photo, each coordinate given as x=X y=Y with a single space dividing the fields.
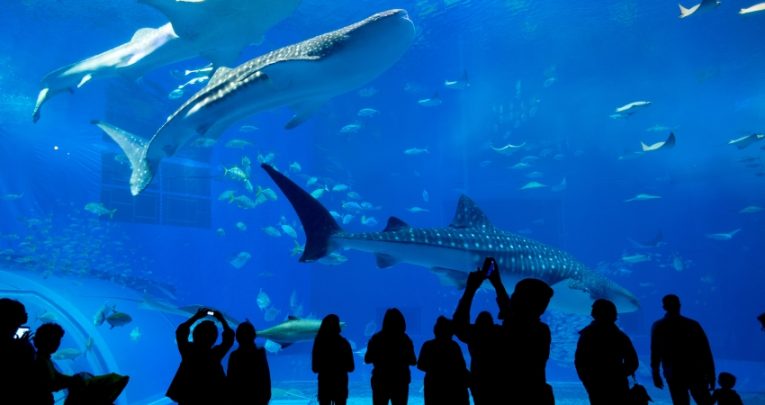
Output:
x=457 y=249
x=303 y=76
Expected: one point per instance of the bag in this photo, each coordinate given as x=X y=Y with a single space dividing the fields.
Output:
x=637 y=394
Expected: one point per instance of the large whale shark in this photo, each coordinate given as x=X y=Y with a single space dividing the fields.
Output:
x=303 y=76
x=217 y=30
x=455 y=250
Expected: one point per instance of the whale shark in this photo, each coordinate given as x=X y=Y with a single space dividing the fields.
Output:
x=303 y=76
x=453 y=251
x=217 y=30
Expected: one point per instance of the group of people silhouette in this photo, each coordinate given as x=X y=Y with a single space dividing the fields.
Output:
x=508 y=359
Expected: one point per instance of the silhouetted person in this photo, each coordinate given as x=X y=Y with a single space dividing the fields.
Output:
x=200 y=378
x=332 y=360
x=446 y=375
x=680 y=346
x=392 y=353
x=46 y=379
x=482 y=339
x=726 y=395
x=248 y=374
x=17 y=354
x=605 y=357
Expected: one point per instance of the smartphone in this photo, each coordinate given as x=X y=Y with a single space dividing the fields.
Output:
x=20 y=332
x=490 y=270
x=211 y=313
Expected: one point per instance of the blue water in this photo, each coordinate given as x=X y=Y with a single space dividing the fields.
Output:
x=547 y=74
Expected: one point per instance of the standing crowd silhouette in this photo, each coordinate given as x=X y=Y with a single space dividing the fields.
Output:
x=508 y=359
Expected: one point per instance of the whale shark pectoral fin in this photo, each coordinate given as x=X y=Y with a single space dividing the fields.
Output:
x=451 y=277
x=41 y=98
x=303 y=111
x=685 y=12
x=135 y=148
x=384 y=261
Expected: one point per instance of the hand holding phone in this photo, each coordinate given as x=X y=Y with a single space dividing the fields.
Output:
x=22 y=332
x=210 y=313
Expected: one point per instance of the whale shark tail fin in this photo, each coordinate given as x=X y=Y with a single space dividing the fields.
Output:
x=685 y=12
x=135 y=148
x=318 y=224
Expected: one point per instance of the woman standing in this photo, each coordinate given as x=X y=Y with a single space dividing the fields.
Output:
x=392 y=353
x=332 y=360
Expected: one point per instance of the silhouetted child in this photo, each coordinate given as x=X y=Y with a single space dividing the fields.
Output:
x=200 y=378
x=605 y=357
x=248 y=374
x=17 y=354
x=332 y=360
x=726 y=395
x=46 y=379
x=446 y=375
x=392 y=353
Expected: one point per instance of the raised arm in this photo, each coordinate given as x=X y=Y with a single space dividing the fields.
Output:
x=184 y=329
x=228 y=336
x=461 y=317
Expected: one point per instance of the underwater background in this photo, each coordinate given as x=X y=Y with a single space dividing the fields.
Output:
x=546 y=77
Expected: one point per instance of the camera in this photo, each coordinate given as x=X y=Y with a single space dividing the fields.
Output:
x=21 y=332
x=211 y=313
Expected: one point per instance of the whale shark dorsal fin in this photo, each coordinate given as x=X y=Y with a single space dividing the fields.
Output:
x=395 y=224
x=142 y=32
x=384 y=261
x=468 y=215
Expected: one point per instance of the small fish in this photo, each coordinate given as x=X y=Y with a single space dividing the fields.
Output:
x=705 y=4
x=549 y=81
x=227 y=195
x=753 y=9
x=235 y=173
x=507 y=149
x=268 y=193
x=347 y=218
x=340 y=187
x=354 y=195
x=311 y=181
x=294 y=299
x=425 y=196
x=636 y=258
x=238 y=144
x=118 y=319
x=367 y=92
x=244 y=202
x=643 y=197
x=433 y=101
x=416 y=151
x=367 y=113
x=368 y=221
x=460 y=84
x=520 y=165
x=201 y=142
x=241 y=226
x=724 y=236
x=747 y=140
x=333 y=259
x=350 y=129
x=289 y=230
x=752 y=209
x=352 y=206
x=268 y=158
x=678 y=263
x=368 y=206
x=295 y=167
x=175 y=94
x=532 y=185
x=248 y=128
x=417 y=210
x=206 y=69
x=263 y=300
x=220 y=232
x=271 y=314
x=240 y=259
x=99 y=209
x=318 y=193
x=631 y=108
x=335 y=215
x=668 y=143
x=272 y=347
x=271 y=231
x=135 y=334
x=102 y=314
x=11 y=197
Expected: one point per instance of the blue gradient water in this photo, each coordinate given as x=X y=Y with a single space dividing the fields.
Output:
x=545 y=73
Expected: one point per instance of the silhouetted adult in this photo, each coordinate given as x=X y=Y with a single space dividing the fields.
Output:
x=605 y=357
x=391 y=352
x=46 y=379
x=17 y=354
x=332 y=360
x=726 y=395
x=680 y=346
x=482 y=339
x=248 y=374
x=446 y=375
x=200 y=378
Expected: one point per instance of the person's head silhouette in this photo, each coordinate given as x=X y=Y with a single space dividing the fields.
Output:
x=727 y=380
x=13 y=314
x=530 y=298
x=484 y=320
x=671 y=304
x=443 y=328
x=205 y=334
x=245 y=333
x=47 y=338
x=394 y=322
x=330 y=326
x=604 y=311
